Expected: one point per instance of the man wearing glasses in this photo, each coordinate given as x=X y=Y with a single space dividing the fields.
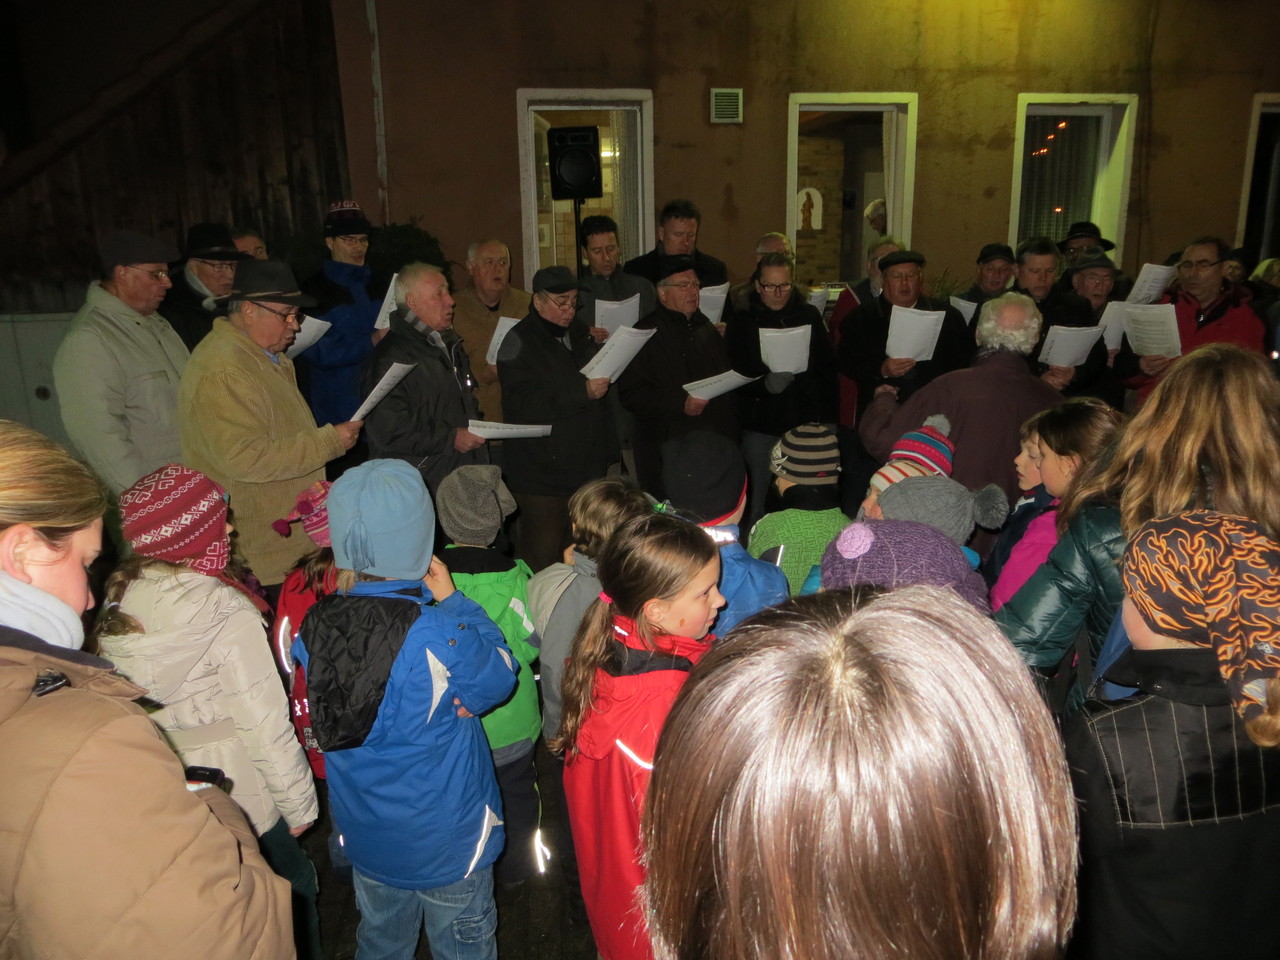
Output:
x=244 y=423
x=117 y=370
x=1210 y=309
x=685 y=348
x=206 y=275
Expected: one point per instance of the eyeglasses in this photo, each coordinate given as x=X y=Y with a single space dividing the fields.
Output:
x=683 y=285
x=569 y=302
x=354 y=240
x=1197 y=266
x=1099 y=279
x=776 y=287
x=157 y=275
x=286 y=316
x=218 y=266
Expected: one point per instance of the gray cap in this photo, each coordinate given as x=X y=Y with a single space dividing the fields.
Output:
x=472 y=502
x=946 y=505
x=127 y=247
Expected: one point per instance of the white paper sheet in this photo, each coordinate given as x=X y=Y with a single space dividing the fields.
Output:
x=1114 y=315
x=786 y=350
x=711 y=303
x=1068 y=346
x=499 y=334
x=710 y=387
x=491 y=430
x=1153 y=330
x=395 y=373
x=612 y=314
x=1149 y=287
x=310 y=331
x=968 y=309
x=618 y=351
x=388 y=304
x=818 y=297
x=913 y=334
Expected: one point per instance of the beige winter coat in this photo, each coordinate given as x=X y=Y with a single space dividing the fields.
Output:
x=205 y=657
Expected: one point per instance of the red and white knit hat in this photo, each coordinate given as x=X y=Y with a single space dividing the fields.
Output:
x=179 y=515
x=924 y=452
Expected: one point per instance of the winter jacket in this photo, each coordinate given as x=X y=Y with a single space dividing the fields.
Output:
x=291 y=610
x=245 y=425
x=1078 y=587
x=711 y=271
x=414 y=796
x=334 y=361
x=569 y=590
x=747 y=584
x=106 y=854
x=204 y=658
x=184 y=307
x=1179 y=818
x=1068 y=309
x=802 y=529
x=619 y=285
x=475 y=324
x=417 y=420
x=500 y=586
x=539 y=367
x=116 y=374
x=683 y=349
x=1028 y=506
x=606 y=777
x=1027 y=556
x=810 y=396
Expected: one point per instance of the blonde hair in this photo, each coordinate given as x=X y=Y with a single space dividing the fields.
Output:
x=43 y=486
x=1206 y=439
x=837 y=782
x=599 y=507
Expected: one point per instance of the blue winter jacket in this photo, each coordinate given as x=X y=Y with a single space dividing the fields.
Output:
x=334 y=361
x=416 y=803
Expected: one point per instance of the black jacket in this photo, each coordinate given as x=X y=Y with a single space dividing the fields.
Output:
x=810 y=397
x=416 y=421
x=541 y=383
x=711 y=272
x=1069 y=309
x=184 y=308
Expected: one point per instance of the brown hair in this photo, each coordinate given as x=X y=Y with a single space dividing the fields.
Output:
x=599 y=507
x=836 y=782
x=650 y=557
x=45 y=487
x=1206 y=439
x=1082 y=427
x=112 y=620
x=1031 y=426
x=316 y=567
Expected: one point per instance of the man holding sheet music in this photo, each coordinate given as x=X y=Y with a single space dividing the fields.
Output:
x=424 y=419
x=685 y=347
x=540 y=365
x=1208 y=309
x=478 y=310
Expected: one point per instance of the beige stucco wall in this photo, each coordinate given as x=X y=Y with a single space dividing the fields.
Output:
x=450 y=72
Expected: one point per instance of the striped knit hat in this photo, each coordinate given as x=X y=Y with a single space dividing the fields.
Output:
x=179 y=515
x=311 y=509
x=807 y=455
x=925 y=452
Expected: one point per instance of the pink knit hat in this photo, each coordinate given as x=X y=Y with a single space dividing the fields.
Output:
x=179 y=515
x=310 y=508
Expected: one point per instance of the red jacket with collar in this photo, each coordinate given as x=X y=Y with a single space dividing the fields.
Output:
x=606 y=779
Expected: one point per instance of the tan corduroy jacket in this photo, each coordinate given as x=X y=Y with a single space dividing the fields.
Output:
x=475 y=324
x=245 y=424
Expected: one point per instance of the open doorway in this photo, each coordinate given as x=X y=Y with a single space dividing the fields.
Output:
x=1260 y=232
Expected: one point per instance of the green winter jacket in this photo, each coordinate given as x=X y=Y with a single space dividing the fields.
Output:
x=504 y=597
x=1079 y=585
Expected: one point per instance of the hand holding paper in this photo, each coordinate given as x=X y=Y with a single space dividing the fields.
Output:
x=913 y=334
x=612 y=314
x=618 y=351
x=785 y=350
x=711 y=301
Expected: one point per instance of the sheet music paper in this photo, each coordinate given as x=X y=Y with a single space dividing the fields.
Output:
x=1114 y=315
x=968 y=309
x=388 y=304
x=818 y=298
x=310 y=331
x=618 y=351
x=395 y=373
x=1149 y=287
x=492 y=430
x=1153 y=330
x=1069 y=346
x=499 y=334
x=786 y=350
x=711 y=302
x=612 y=314
x=709 y=388
x=913 y=334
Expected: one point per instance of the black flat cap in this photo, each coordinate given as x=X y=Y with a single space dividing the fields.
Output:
x=996 y=251
x=899 y=257
x=212 y=241
x=554 y=280
x=671 y=265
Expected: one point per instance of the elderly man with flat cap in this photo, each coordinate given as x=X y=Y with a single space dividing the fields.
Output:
x=117 y=370
x=208 y=267
x=995 y=270
x=244 y=423
x=685 y=347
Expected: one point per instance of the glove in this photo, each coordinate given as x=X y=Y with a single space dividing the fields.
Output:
x=777 y=382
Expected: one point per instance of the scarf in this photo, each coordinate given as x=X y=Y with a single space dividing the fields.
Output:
x=31 y=610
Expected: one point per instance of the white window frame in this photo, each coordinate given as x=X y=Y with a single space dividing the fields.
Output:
x=1115 y=157
x=1262 y=103
x=530 y=99
x=901 y=199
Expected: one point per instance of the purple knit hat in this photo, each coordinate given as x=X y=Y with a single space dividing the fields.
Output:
x=900 y=553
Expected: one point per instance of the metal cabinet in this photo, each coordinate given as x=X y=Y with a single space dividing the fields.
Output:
x=28 y=343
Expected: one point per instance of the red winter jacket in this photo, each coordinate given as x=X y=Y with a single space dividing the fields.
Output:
x=605 y=780
x=295 y=601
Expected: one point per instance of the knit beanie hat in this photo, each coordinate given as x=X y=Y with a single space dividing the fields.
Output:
x=382 y=521
x=1213 y=580
x=704 y=476
x=472 y=502
x=900 y=553
x=918 y=453
x=179 y=515
x=310 y=508
x=943 y=503
x=807 y=455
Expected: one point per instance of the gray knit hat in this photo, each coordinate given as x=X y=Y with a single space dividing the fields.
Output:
x=807 y=455
x=472 y=503
x=945 y=504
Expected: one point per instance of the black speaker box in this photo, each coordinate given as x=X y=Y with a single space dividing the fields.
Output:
x=574 y=154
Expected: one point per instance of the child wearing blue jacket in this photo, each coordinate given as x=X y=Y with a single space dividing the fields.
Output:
x=399 y=666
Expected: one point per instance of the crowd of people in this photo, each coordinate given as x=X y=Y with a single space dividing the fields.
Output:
x=867 y=651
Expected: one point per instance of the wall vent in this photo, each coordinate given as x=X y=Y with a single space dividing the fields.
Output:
x=726 y=104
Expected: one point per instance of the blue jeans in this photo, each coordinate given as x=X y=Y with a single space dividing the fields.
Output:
x=459 y=919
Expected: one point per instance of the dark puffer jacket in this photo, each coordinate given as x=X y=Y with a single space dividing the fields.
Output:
x=1078 y=586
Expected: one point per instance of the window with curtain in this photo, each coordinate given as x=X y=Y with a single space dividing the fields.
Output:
x=1060 y=166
